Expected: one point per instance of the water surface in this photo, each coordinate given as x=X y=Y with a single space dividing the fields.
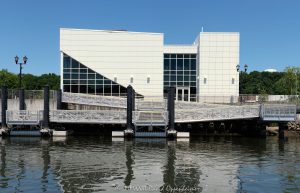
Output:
x=97 y=164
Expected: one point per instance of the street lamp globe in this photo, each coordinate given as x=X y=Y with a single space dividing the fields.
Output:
x=25 y=59
x=16 y=59
x=237 y=67
x=246 y=67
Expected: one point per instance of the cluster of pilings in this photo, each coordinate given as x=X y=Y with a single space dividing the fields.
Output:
x=22 y=106
x=129 y=132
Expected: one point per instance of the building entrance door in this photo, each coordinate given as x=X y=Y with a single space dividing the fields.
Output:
x=182 y=93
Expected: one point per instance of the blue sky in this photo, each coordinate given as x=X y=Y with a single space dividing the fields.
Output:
x=269 y=29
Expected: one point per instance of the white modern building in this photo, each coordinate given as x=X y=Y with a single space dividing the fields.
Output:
x=105 y=62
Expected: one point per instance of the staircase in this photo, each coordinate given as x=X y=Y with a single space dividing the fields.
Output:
x=150 y=113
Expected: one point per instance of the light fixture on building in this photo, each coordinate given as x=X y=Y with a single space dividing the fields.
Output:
x=131 y=79
x=148 y=79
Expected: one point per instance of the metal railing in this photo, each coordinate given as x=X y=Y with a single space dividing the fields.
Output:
x=88 y=99
x=278 y=112
x=30 y=94
x=150 y=118
x=88 y=116
x=24 y=117
x=217 y=113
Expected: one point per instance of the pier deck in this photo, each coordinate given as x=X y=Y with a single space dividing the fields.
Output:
x=185 y=112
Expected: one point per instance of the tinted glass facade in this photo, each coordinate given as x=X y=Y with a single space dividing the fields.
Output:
x=180 y=72
x=77 y=78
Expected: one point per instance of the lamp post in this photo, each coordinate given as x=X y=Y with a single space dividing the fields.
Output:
x=238 y=70
x=17 y=62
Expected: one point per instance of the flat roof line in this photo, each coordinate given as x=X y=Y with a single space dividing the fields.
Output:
x=110 y=31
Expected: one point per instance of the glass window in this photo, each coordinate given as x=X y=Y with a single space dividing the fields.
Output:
x=193 y=55
x=99 y=89
x=193 y=72
x=75 y=70
x=166 y=78
x=186 y=56
x=90 y=71
x=115 y=88
x=83 y=76
x=107 y=90
x=179 y=64
x=179 y=78
x=166 y=64
x=75 y=64
x=84 y=70
x=186 y=78
x=179 y=83
x=173 y=55
x=186 y=64
x=193 y=83
x=91 y=89
x=173 y=64
x=193 y=90
x=98 y=76
x=179 y=72
x=166 y=84
x=173 y=73
x=179 y=55
x=66 y=76
x=186 y=73
x=186 y=83
x=83 y=81
x=99 y=81
x=82 y=89
x=166 y=55
x=172 y=83
x=66 y=81
x=74 y=88
x=82 y=66
x=67 y=61
x=193 y=64
x=74 y=81
x=107 y=82
x=67 y=70
x=91 y=81
x=67 y=88
x=123 y=89
x=74 y=76
x=193 y=78
x=91 y=76
x=173 y=78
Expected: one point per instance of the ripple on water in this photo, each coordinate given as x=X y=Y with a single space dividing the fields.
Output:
x=94 y=164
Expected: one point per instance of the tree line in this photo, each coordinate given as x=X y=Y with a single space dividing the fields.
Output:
x=29 y=81
x=273 y=83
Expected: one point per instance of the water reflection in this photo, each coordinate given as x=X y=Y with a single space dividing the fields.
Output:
x=215 y=164
x=129 y=163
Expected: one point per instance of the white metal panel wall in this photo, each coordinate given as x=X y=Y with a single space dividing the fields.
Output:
x=119 y=54
x=181 y=49
x=218 y=57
